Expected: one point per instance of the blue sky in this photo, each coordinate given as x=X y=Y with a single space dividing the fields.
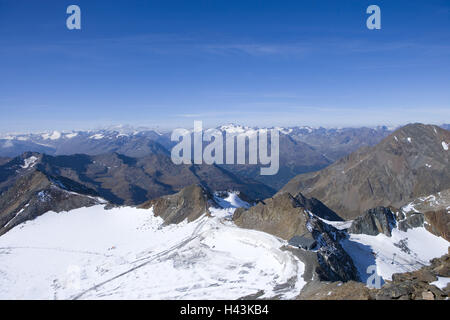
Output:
x=167 y=63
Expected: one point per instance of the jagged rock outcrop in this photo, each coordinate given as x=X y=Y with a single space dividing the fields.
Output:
x=189 y=204
x=408 y=219
x=285 y=216
x=374 y=221
x=335 y=263
x=413 y=161
x=318 y=208
x=281 y=216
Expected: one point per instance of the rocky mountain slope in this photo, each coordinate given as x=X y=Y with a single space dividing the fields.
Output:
x=4 y=160
x=411 y=162
x=35 y=194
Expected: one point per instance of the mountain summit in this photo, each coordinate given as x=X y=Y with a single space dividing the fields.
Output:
x=411 y=162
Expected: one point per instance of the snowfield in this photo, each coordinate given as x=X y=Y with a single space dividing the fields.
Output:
x=402 y=252
x=127 y=253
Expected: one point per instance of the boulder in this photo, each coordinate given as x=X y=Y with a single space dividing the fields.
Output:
x=373 y=222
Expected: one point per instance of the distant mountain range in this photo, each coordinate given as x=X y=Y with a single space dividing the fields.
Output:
x=302 y=149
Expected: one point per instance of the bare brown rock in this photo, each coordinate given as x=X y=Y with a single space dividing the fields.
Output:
x=438 y=223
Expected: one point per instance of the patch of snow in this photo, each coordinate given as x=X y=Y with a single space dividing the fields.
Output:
x=441 y=282
x=71 y=135
x=309 y=129
x=409 y=207
x=29 y=162
x=54 y=136
x=97 y=136
x=445 y=145
x=237 y=129
x=16 y=215
x=427 y=165
x=284 y=130
x=409 y=139
x=386 y=253
x=340 y=225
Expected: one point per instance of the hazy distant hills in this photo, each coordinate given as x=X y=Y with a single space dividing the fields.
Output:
x=134 y=143
x=413 y=161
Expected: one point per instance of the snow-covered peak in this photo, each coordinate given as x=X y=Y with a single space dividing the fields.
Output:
x=97 y=136
x=284 y=130
x=55 y=135
x=233 y=128
x=71 y=135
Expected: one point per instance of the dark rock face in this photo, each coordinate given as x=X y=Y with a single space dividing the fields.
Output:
x=373 y=222
x=318 y=208
x=410 y=221
x=408 y=164
x=190 y=203
x=335 y=263
x=35 y=194
x=302 y=242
